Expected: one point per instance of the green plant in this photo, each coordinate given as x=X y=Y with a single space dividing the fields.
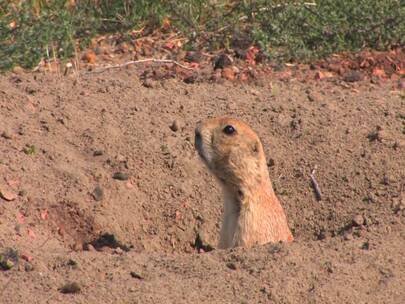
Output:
x=31 y=30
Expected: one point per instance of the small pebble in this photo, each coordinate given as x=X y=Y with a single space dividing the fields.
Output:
x=358 y=220
x=313 y=97
x=136 y=275
x=98 y=153
x=28 y=267
x=118 y=250
x=231 y=265
x=348 y=236
x=174 y=126
x=372 y=198
x=120 y=176
x=148 y=83
x=98 y=193
x=352 y=76
x=89 y=247
x=22 y=192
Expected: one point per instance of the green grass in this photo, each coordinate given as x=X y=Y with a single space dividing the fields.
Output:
x=285 y=30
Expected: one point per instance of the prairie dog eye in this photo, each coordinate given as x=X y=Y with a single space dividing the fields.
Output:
x=229 y=130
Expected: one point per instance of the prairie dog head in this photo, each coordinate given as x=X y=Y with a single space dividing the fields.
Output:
x=233 y=153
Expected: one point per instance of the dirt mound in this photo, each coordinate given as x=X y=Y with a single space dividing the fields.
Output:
x=103 y=181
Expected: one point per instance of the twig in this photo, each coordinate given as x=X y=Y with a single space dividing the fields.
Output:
x=315 y=185
x=118 y=66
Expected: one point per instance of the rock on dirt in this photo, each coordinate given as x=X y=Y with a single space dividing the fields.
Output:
x=98 y=193
x=120 y=176
x=136 y=275
x=6 y=134
x=7 y=195
x=175 y=126
x=353 y=76
x=70 y=287
x=358 y=220
x=149 y=83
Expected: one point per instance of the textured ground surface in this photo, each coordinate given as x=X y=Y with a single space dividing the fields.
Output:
x=63 y=137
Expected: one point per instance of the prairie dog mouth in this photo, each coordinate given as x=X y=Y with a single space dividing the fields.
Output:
x=198 y=142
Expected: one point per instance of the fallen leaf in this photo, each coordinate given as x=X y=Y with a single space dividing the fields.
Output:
x=166 y=24
x=12 y=24
x=243 y=76
x=378 y=72
x=90 y=57
x=194 y=65
x=169 y=45
x=323 y=75
x=251 y=55
x=228 y=73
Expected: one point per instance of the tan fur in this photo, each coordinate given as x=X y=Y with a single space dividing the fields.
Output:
x=252 y=212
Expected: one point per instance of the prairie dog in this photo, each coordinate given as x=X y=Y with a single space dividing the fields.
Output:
x=234 y=154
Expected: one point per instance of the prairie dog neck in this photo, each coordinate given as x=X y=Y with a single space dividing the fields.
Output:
x=245 y=217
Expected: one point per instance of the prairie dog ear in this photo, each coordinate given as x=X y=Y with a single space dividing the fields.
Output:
x=255 y=147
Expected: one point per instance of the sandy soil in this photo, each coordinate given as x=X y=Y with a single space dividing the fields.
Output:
x=98 y=155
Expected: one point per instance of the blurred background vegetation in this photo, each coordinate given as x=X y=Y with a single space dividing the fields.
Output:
x=285 y=30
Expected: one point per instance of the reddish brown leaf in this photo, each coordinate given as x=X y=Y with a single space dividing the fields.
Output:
x=323 y=75
x=166 y=24
x=228 y=73
x=169 y=45
x=251 y=55
x=90 y=57
x=378 y=72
